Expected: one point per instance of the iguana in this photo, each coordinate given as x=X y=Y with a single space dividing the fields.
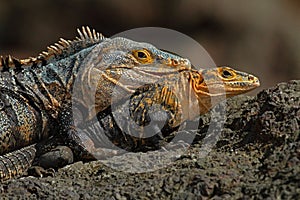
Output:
x=37 y=100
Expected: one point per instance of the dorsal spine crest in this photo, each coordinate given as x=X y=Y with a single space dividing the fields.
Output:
x=61 y=49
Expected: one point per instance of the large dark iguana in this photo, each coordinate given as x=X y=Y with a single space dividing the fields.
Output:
x=37 y=94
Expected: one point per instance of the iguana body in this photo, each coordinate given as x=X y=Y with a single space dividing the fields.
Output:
x=36 y=95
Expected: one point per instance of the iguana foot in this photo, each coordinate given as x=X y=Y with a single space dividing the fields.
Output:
x=46 y=163
x=38 y=171
x=84 y=147
x=56 y=158
x=176 y=145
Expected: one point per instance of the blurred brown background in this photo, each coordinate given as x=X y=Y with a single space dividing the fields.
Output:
x=261 y=37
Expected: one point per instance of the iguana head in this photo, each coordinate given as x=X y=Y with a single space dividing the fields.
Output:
x=124 y=65
x=223 y=81
x=211 y=86
x=121 y=53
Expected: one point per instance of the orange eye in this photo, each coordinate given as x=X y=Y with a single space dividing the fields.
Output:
x=143 y=56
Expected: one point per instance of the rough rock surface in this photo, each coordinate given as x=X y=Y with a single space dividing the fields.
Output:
x=257 y=156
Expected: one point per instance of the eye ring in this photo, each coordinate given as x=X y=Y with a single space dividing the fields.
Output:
x=226 y=74
x=143 y=56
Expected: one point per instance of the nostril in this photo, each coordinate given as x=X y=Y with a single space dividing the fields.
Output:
x=186 y=61
x=250 y=78
x=175 y=62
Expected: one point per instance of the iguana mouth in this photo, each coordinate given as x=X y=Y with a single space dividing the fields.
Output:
x=238 y=87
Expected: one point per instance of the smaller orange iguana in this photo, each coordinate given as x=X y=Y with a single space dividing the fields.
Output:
x=38 y=107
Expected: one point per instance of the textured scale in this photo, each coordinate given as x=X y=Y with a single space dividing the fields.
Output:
x=39 y=94
x=16 y=162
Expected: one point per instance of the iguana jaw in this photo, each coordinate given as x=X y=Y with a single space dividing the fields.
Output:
x=235 y=88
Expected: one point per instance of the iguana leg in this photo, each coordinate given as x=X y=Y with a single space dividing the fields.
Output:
x=79 y=136
x=50 y=156
x=53 y=153
x=83 y=145
x=72 y=144
x=158 y=105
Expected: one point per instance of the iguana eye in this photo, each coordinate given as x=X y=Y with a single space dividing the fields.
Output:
x=226 y=74
x=143 y=55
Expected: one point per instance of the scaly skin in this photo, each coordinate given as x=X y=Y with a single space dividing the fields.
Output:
x=36 y=92
x=133 y=124
x=36 y=95
x=35 y=100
